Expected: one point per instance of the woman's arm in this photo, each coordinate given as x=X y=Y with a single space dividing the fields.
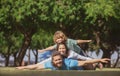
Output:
x=75 y=55
x=47 y=49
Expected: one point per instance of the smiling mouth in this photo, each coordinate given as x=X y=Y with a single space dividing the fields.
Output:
x=60 y=63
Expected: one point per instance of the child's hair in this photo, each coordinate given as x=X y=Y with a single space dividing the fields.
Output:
x=59 y=34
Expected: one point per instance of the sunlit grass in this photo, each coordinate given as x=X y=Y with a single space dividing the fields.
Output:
x=14 y=69
x=108 y=69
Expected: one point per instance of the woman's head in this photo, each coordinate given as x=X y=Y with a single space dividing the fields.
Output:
x=63 y=49
x=59 y=37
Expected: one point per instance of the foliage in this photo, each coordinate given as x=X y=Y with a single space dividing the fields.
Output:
x=25 y=23
x=42 y=39
x=13 y=41
x=99 y=8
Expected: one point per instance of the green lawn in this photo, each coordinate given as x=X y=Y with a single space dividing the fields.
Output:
x=12 y=71
x=109 y=69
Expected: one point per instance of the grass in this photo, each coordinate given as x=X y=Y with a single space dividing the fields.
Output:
x=108 y=69
x=12 y=71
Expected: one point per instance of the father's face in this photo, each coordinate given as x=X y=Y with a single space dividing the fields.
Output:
x=57 y=61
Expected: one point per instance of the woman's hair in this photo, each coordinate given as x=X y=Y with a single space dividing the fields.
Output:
x=59 y=34
x=64 y=45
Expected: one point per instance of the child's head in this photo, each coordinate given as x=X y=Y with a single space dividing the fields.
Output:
x=59 y=37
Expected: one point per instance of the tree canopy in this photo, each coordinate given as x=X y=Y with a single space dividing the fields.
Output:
x=25 y=23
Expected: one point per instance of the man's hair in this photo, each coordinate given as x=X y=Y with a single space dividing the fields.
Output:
x=55 y=53
x=59 y=34
x=64 y=45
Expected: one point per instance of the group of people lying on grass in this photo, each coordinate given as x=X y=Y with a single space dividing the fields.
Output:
x=67 y=56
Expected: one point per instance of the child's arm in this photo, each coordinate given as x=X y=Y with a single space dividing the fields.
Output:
x=83 y=41
x=47 y=49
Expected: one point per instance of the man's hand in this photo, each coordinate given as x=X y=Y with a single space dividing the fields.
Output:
x=104 y=60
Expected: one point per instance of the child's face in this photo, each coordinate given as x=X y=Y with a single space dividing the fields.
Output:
x=60 y=40
x=62 y=50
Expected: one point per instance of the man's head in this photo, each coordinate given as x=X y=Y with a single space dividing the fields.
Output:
x=57 y=59
x=59 y=37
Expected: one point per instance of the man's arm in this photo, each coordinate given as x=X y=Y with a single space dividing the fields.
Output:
x=31 y=67
x=82 y=63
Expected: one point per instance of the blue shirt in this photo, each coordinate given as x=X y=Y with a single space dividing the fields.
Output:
x=68 y=64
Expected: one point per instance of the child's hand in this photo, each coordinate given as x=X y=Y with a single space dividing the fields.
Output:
x=89 y=40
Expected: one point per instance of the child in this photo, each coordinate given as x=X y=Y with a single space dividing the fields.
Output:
x=60 y=37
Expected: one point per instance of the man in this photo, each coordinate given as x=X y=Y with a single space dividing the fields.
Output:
x=58 y=63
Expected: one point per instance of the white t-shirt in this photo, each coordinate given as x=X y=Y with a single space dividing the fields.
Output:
x=93 y=54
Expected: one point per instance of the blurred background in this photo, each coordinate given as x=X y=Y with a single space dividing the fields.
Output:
x=29 y=25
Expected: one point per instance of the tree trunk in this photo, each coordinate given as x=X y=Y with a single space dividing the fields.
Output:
x=36 y=55
x=15 y=58
x=106 y=54
x=118 y=57
x=97 y=37
x=7 y=56
x=25 y=45
x=7 y=60
x=28 y=57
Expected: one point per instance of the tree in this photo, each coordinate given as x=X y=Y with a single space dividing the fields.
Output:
x=77 y=18
x=26 y=16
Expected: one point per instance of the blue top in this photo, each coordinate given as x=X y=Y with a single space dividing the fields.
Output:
x=68 y=64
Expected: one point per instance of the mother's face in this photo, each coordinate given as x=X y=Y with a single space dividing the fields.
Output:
x=62 y=49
